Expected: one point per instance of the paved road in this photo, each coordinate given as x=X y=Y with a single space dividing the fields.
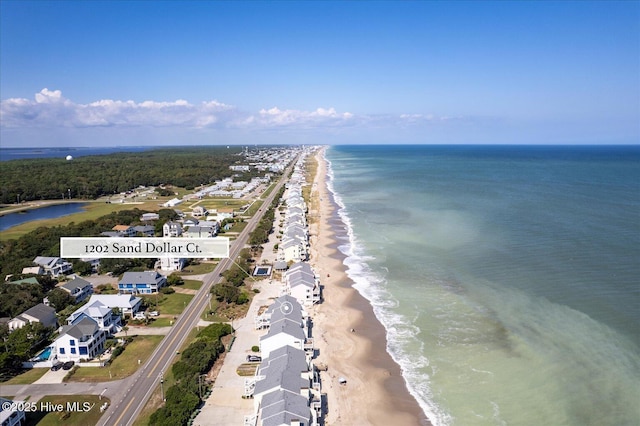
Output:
x=138 y=390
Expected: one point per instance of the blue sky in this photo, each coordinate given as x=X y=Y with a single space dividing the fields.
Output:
x=160 y=72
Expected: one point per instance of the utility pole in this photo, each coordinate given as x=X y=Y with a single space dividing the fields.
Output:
x=162 y=385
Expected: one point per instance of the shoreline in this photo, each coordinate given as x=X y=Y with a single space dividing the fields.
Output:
x=350 y=338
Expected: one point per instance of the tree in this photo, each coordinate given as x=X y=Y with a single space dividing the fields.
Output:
x=226 y=292
x=60 y=299
x=82 y=268
x=175 y=279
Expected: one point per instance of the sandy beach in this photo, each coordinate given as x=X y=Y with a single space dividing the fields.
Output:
x=350 y=339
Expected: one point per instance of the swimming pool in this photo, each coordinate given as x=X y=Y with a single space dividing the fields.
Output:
x=44 y=355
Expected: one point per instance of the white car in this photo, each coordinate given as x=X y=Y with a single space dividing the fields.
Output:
x=153 y=314
x=140 y=316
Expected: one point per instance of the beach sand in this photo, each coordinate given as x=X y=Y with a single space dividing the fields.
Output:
x=350 y=339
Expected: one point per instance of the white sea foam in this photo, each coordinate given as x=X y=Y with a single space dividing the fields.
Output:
x=400 y=331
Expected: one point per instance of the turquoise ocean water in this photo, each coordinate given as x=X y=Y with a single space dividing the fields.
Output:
x=508 y=278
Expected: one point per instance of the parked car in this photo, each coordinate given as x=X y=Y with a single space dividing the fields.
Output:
x=153 y=314
x=254 y=358
x=67 y=365
x=57 y=366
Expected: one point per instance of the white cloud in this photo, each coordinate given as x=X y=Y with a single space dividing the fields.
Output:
x=50 y=109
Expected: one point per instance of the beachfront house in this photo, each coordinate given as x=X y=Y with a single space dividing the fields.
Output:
x=301 y=282
x=287 y=326
x=41 y=313
x=78 y=288
x=292 y=250
x=141 y=282
x=83 y=340
x=53 y=266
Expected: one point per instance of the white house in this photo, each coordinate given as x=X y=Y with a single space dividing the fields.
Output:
x=149 y=217
x=287 y=327
x=301 y=282
x=126 y=303
x=82 y=340
x=40 y=313
x=100 y=313
x=10 y=417
x=172 y=203
x=54 y=266
x=171 y=229
x=78 y=288
x=292 y=249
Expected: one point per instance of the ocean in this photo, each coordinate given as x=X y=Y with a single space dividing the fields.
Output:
x=507 y=277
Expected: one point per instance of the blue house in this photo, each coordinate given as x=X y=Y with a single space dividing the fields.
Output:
x=141 y=282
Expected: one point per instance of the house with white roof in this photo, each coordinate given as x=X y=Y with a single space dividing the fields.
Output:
x=146 y=217
x=100 y=313
x=78 y=288
x=81 y=340
x=172 y=202
x=126 y=303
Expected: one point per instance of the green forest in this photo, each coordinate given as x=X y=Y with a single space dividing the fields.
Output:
x=94 y=176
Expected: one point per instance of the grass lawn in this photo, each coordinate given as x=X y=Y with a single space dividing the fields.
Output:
x=92 y=211
x=215 y=204
x=86 y=411
x=124 y=365
x=27 y=377
x=161 y=322
x=254 y=208
x=174 y=304
x=199 y=269
x=192 y=284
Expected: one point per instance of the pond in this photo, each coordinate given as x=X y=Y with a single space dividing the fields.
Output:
x=49 y=212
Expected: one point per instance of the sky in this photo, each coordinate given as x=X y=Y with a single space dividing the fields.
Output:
x=435 y=72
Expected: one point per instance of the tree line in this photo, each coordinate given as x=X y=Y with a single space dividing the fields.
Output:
x=101 y=175
x=184 y=397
